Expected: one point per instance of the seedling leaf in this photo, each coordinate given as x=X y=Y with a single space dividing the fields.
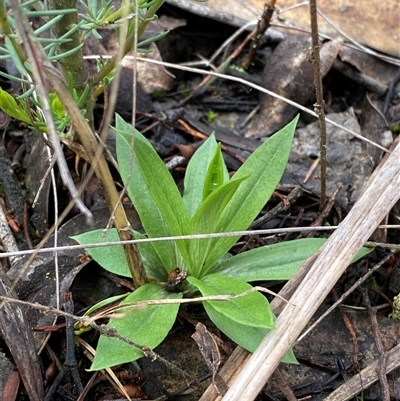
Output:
x=153 y=192
x=273 y=262
x=205 y=220
x=148 y=326
x=250 y=310
x=264 y=168
x=10 y=106
x=196 y=173
x=246 y=336
x=215 y=174
x=112 y=258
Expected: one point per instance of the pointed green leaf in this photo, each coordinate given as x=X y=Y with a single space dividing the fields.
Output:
x=216 y=173
x=270 y=262
x=273 y=262
x=264 y=167
x=145 y=326
x=205 y=221
x=103 y=303
x=15 y=55
x=15 y=110
x=112 y=258
x=250 y=310
x=247 y=337
x=151 y=261
x=196 y=173
x=153 y=192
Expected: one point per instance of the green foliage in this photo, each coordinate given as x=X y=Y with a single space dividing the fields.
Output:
x=113 y=258
x=154 y=193
x=143 y=325
x=79 y=328
x=14 y=108
x=250 y=310
x=395 y=128
x=93 y=17
x=68 y=47
x=272 y=262
x=211 y=202
x=11 y=49
x=211 y=116
x=196 y=175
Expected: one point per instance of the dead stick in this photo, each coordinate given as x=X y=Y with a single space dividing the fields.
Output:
x=319 y=106
x=365 y=378
x=379 y=346
x=263 y=24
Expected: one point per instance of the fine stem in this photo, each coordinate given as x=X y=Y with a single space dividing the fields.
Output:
x=73 y=63
x=99 y=163
x=319 y=106
x=130 y=40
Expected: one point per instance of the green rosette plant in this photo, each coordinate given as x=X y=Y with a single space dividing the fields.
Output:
x=211 y=203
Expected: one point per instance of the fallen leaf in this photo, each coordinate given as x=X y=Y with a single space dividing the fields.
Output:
x=209 y=350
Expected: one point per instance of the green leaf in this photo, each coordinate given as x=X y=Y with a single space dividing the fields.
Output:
x=64 y=55
x=246 y=336
x=264 y=167
x=151 y=261
x=273 y=262
x=196 y=173
x=153 y=192
x=249 y=310
x=215 y=174
x=103 y=303
x=56 y=106
x=10 y=106
x=148 y=326
x=15 y=55
x=270 y=262
x=112 y=258
x=205 y=221
x=152 y=39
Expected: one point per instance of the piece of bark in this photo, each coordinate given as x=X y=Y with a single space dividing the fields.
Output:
x=19 y=339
